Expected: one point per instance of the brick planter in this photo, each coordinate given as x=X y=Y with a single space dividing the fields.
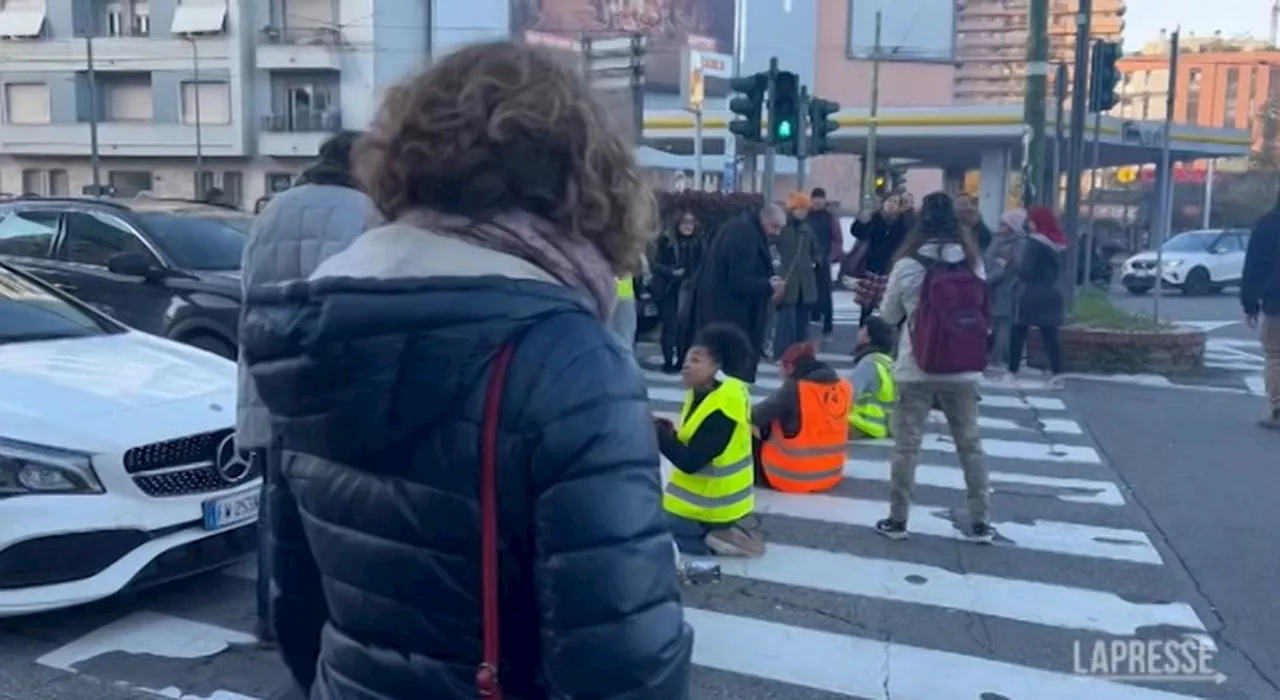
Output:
x=1106 y=351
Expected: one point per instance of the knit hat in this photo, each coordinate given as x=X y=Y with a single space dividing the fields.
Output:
x=798 y=200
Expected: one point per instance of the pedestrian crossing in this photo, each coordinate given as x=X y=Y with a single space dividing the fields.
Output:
x=834 y=609
x=831 y=612
x=1234 y=355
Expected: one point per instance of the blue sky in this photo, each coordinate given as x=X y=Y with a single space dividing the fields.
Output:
x=1146 y=18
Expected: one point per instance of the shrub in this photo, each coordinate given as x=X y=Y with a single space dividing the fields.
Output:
x=712 y=209
x=1094 y=309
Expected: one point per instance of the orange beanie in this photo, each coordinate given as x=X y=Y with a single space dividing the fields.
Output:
x=797 y=200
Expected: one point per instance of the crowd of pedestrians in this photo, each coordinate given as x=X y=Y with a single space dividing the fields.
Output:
x=462 y=493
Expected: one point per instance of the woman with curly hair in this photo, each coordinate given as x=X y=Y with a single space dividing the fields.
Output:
x=470 y=496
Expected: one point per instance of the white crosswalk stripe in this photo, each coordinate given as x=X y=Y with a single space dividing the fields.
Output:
x=822 y=551
x=1237 y=356
x=833 y=611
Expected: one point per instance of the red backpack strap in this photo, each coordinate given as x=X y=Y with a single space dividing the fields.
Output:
x=487 y=682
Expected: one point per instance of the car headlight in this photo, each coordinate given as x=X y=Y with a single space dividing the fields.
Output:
x=1173 y=264
x=27 y=469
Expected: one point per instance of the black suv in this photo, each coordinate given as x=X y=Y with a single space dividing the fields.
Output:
x=166 y=267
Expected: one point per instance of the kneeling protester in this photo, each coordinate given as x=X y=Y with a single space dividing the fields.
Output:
x=803 y=425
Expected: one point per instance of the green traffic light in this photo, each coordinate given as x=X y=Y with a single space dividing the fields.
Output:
x=784 y=129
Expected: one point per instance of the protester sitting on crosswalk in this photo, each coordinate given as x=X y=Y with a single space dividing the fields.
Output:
x=801 y=425
x=710 y=490
x=874 y=391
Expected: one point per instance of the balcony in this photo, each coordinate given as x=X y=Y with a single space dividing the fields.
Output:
x=297 y=135
x=123 y=140
x=300 y=48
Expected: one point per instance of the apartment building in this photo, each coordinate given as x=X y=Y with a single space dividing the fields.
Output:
x=1218 y=86
x=248 y=89
x=991 y=44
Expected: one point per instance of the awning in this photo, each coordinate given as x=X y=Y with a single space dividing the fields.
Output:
x=200 y=17
x=22 y=19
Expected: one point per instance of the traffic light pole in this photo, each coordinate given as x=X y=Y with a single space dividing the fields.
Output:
x=770 y=149
x=802 y=139
x=1093 y=175
x=869 y=162
x=1034 y=106
x=1075 y=152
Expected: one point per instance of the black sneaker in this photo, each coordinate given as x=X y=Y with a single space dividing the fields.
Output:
x=981 y=533
x=893 y=529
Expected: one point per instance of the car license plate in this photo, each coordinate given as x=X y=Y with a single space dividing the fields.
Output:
x=231 y=510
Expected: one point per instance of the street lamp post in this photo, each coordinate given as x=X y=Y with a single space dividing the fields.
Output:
x=195 y=89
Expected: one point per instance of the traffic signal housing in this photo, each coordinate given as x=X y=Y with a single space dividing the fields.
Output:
x=784 y=109
x=748 y=106
x=1105 y=78
x=882 y=182
x=820 y=112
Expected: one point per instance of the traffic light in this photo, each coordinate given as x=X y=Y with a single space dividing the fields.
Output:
x=784 y=109
x=1105 y=77
x=882 y=182
x=820 y=112
x=748 y=105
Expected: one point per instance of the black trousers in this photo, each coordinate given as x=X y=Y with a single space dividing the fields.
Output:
x=671 y=336
x=824 y=310
x=1048 y=338
x=263 y=460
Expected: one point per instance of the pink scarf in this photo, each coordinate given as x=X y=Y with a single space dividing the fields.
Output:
x=571 y=261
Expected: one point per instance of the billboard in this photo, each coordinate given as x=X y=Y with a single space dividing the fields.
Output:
x=673 y=28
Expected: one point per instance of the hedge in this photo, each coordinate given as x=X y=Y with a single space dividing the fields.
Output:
x=712 y=209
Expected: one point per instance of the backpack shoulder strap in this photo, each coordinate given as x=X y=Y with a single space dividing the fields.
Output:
x=926 y=262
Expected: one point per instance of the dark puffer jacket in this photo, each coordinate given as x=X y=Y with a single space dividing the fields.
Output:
x=374 y=373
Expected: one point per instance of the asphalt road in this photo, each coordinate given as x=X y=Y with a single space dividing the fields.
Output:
x=1138 y=533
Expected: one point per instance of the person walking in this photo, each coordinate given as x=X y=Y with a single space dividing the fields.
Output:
x=798 y=251
x=879 y=234
x=297 y=230
x=1260 y=297
x=740 y=277
x=1002 y=278
x=472 y=479
x=676 y=259
x=830 y=239
x=1040 y=303
x=938 y=273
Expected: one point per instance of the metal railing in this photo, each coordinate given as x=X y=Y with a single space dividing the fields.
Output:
x=302 y=121
x=308 y=36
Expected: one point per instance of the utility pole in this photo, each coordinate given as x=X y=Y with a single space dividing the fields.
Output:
x=1165 y=175
x=1075 y=151
x=802 y=139
x=869 y=161
x=95 y=161
x=1034 y=107
x=195 y=85
x=733 y=145
x=1097 y=87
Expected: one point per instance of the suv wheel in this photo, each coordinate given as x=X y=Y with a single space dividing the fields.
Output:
x=1197 y=282
x=213 y=344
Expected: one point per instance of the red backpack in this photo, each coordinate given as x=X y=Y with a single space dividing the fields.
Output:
x=949 y=335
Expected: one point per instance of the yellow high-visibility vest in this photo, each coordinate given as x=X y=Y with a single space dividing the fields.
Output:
x=723 y=492
x=870 y=414
x=626 y=288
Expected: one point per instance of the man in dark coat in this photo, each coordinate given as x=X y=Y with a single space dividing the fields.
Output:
x=740 y=275
x=830 y=239
x=1260 y=297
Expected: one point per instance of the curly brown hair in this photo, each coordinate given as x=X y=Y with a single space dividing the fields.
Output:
x=502 y=126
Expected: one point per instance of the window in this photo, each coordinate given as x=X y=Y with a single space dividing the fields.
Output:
x=206 y=102
x=140 y=22
x=200 y=242
x=30 y=312
x=27 y=234
x=128 y=183
x=126 y=98
x=32 y=181
x=26 y=103
x=115 y=18
x=59 y=184
x=233 y=188
x=92 y=238
x=202 y=182
x=278 y=182
x=1233 y=96
x=1193 y=96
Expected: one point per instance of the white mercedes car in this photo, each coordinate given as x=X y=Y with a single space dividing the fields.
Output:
x=118 y=468
x=1196 y=262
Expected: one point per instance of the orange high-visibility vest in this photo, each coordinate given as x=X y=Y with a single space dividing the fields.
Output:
x=813 y=460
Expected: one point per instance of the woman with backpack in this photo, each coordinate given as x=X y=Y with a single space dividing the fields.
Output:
x=937 y=286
